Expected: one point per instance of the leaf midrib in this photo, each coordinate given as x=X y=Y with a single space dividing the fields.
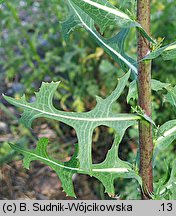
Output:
x=119 y=118
x=101 y=41
x=108 y=170
x=109 y=10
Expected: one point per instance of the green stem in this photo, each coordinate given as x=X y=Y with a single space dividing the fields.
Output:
x=144 y=91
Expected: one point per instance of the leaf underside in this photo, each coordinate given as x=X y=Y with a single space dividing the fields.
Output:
x=84 y=124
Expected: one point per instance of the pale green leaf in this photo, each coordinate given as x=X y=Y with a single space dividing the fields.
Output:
x=159 y=86
x=83 y=123
x=65 y=170
x=132 y=92
x=167 y=132
x=171 y=96
x=118 y=168
x=165 y=188
x=140 y=112
x=166 y=135
x=106 y=171
x=167 y=52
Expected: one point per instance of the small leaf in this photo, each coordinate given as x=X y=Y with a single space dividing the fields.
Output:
x=132 y=92
x=144 y=116
x=166 y=135
x=166 y=187
x=155 y=84
x=171 y=96
x=159 y=86
x=167 y=52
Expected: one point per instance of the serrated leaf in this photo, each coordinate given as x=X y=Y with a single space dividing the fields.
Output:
x=166 y=135
x=155 y=84
x=65 y=170
x=118 y=168
x=114 y=46
x=167 y=52
x=171 y=96
x=106 y=172
x=83 y=123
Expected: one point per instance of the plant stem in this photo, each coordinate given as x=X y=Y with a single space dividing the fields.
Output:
x=144 y=92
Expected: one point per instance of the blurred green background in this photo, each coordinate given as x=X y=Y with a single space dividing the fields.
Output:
x=33 y=50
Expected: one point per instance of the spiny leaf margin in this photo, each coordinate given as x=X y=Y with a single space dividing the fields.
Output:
x=106 y=172
x=83 y=123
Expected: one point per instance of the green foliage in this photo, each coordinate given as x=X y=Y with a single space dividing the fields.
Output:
x=171 y=96
x=106 y=172
x=107 y=13
x=163 y=14
x=156 y=85
x=167 y=52
x=75 y=68
x=22 y=44
x=113 y=46
x=165 y=188
x=165 y=136
x=84 y=124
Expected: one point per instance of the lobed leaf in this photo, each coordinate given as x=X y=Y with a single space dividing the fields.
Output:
x=106 y=172
x=113 y=46
x=167 y=132
x=65 y=170
x=83 y=123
